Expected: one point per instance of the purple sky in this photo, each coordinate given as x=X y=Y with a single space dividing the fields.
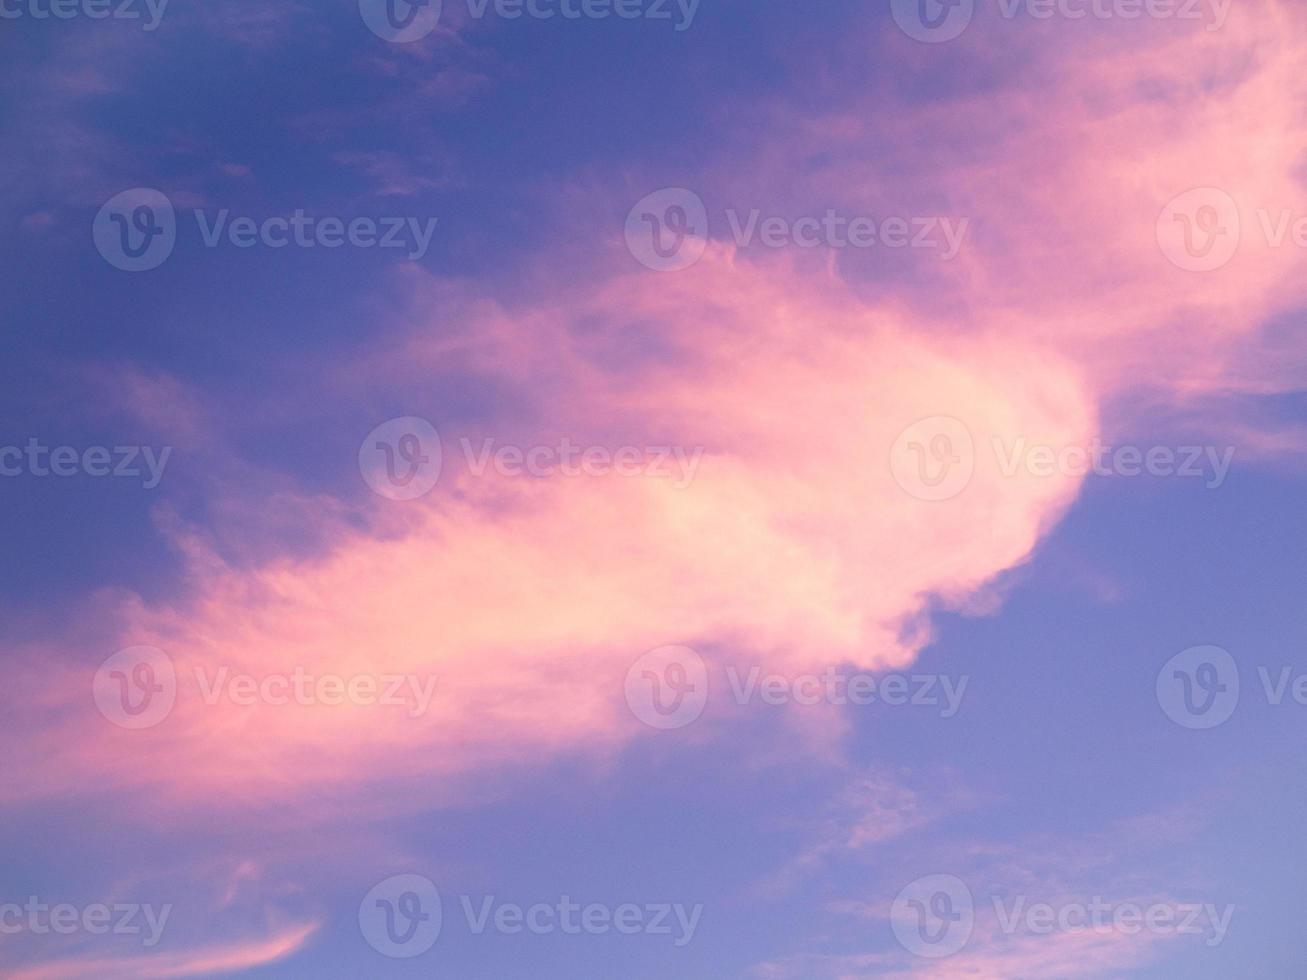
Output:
x=625 y=488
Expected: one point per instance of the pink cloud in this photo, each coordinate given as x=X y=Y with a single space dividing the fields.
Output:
x=528 y=599
x=200 y=961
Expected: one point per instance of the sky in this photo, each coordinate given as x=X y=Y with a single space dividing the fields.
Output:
x=639 y=489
